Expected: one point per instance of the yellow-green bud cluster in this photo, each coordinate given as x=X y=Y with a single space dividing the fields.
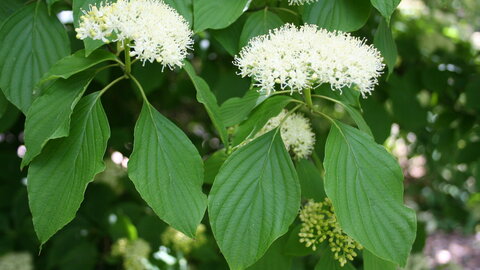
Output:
x=319 y=224
x=134 y=252
x=16 y=261
x=180 y=242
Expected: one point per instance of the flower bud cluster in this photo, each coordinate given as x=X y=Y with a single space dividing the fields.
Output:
x=319 y=224
x=181 y=242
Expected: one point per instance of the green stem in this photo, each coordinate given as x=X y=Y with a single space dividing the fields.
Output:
x=140 y=88
x=111 y=84
x=128 y=62
x=329 y=98
x=308 y=98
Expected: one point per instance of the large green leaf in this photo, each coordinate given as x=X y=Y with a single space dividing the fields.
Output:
x=84 y=5
x=386 y=44
x=386 y=7
x=259 y=23
x=57 y=178
x=76 y=63
x=343 y=15
x=293 y=246
x=372 y=262
x=259 y=117
x=274 y=258
x=378 y=119
x=229 y=37
x=365 y=184
x=208 y=99
x=254 y=199
x=184 y=7
x=212 y=165
x=216 y=14
x=328 y=262
x=167 y=171
x=31 y=42
x=236 y=109
x=49 y=116
x=311 y=180
x=7 y=7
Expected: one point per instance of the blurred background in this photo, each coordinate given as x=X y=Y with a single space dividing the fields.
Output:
x=427 y=113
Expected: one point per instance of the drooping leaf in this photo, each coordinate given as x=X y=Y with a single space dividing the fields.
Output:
x=372 y=262
x=274 y=258
x=184 y=7
x=208 y=99
x=254 y=199
x=235 y=110
x=213 y=164
x=84 y=5
x=167 y=171
x=259 y=23
x=49 y=116
x=76 y=63
x=293 y=247
x=57 y=178
x=32 y=41
x=260 y=116
x=229 y=37
x=386 y=44
x=386 y=7
x=311 y=180
x=365 y=184
x=343 y=15
x=209 y=14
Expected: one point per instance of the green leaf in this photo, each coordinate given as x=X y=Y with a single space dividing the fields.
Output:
x=293 y=247
x=259 y=23
x=386 y=7
x=184 y=7
x=274 y=258
x=259 y=117
x=377 y=118
x=208 y=99
x=57 y=178
x=216 y=14
x=254 y=199
x=229 y=37
x=31 y=42
x=384 y=41
x=343 y=15
x=328 y=262
x=7 y=7
x=76 y=63
x=213 y=164
x=372 y=262
x=49 y=116
x=167 y=171
x=79 y=5
x=311 y=180
x=235 y=110
x=365 y=184
x=349 y=98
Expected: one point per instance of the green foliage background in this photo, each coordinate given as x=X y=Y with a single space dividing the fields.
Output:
x=430 y=91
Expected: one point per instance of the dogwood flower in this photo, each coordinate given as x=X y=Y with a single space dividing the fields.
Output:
x=319 y=224
x=300 y=2
x=296 y=133
x=153 y=30
x=306 y=57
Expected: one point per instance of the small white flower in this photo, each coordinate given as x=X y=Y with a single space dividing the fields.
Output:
x=296 y=132
x=306 y=57
x=156 y=31
x=300 y=2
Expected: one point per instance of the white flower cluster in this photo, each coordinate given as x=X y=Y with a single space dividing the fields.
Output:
x=16 y=261
x=306 y=57
x=134 y=253
x=296 y=132
x=183 y=243
x=157 y=31
x=300 y=2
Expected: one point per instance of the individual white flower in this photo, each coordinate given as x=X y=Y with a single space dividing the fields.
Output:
x=16 y=261
x=306 y=57
x=296 y=132
x=156 y=31
x=300 y=2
